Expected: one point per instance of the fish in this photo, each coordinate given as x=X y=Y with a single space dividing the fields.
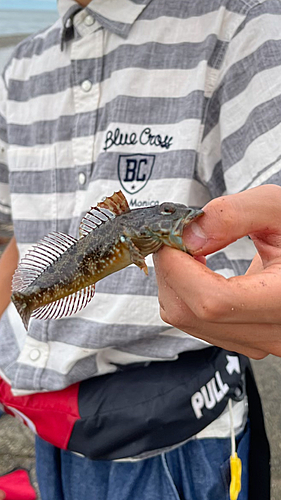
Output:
x=57 y=276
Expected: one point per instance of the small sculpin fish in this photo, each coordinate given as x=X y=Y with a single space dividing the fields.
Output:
x=57 y=276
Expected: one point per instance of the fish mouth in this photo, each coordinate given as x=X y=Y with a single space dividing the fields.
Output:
x=194 y=214
x=176 y=234
x=185 y=221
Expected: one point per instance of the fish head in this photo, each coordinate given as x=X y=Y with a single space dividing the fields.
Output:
x=165 y=223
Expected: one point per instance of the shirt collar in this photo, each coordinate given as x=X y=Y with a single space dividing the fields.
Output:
x=118 y=16
x=67 y=10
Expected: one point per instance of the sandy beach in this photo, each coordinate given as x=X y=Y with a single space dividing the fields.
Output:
x=7 y=44
x=11 y=40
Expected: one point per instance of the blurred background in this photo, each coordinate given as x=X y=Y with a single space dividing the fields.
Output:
x=18 y=19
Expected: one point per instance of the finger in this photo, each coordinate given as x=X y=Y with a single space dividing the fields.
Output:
x=213 y=298
x=256 y=211
x=238 y=338
x=255 y=340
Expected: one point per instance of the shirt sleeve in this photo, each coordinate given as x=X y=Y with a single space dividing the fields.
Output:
x=241 y=146
x=5 y=205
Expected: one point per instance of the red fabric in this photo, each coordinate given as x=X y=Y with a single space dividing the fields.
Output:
x=17 y=486
x=50 y=414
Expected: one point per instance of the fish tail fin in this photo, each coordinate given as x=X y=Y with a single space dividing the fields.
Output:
x=36 y=261
x=22 y=308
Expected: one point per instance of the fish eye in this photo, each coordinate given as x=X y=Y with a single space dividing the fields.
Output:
x=167 y=209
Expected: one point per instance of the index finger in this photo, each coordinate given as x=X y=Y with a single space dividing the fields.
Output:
x=213 y=298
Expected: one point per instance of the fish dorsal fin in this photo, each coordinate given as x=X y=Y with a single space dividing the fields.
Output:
x=39 y=257
x=94 y=218
x=105 y=210
x=117 y=203
x=66 y=306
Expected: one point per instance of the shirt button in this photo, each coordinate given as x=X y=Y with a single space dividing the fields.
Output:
x=86 y=85
x=68 y=23
x=82 y=178
x=34 y=354
x=89 y=21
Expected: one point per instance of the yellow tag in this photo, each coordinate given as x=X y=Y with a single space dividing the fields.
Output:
x=235 y=472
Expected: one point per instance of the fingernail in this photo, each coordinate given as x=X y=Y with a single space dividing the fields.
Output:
x=194 y=238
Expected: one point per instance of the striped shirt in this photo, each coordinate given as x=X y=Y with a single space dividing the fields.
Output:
x=167 y=101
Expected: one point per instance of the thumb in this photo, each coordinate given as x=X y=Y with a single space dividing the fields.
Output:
x=256 y=266
x=256 y=212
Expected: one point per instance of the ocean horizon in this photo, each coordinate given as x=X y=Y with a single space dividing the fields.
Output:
x=16 y=22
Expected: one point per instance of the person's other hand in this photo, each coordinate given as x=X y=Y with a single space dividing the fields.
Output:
x=242 y=313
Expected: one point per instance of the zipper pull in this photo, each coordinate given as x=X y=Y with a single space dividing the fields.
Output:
x=235 y=462
x=235 y=473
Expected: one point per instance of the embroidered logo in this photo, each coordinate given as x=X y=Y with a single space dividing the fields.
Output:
x=134 y=171
x=147 y=137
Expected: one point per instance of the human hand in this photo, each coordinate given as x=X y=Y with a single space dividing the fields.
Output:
x=241 y=313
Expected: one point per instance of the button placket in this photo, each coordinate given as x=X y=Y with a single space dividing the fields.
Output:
x=86 y=101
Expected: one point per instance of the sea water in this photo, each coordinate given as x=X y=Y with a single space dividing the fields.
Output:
x=22 y=22
x=15 y=22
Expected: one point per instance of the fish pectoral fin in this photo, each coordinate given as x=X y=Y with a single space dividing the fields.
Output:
x=66 y=306
x=136 y=256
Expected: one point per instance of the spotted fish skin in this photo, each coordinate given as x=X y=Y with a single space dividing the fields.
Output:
x=112 y=237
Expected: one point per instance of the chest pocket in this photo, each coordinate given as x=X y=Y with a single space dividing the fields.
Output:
x=33 y=187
